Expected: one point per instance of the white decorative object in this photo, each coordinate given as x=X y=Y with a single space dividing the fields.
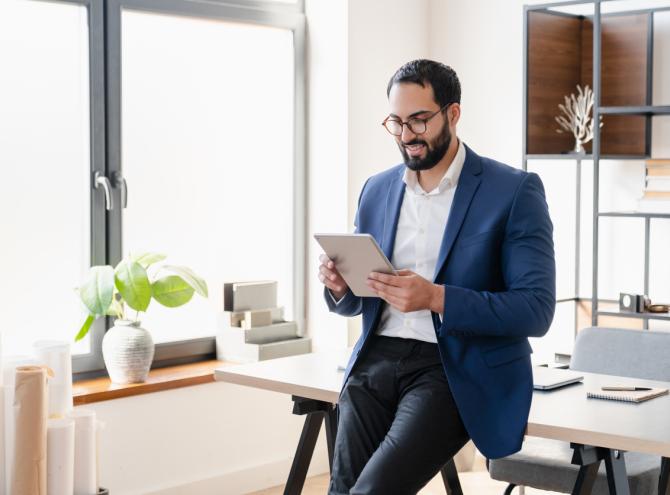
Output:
x=85 y=433
x=60 y=456
x=577 y=117
x=56 y=355
x=128 y=351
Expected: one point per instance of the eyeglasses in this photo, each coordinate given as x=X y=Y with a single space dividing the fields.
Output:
x=415 y=124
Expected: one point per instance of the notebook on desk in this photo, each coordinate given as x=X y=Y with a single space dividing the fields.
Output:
x=628 y=395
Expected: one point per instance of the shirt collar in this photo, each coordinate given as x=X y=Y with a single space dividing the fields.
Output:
x=449 y=180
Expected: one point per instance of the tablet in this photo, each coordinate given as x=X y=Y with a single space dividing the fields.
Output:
x=355 y=256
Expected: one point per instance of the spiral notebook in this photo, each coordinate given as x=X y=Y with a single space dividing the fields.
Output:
x=628 y=395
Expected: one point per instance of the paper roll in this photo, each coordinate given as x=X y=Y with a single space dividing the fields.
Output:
x=85 y=481
x=3 y=488
x=60 y=456
x=29 y=475
x=56 y=355
x=9 y=379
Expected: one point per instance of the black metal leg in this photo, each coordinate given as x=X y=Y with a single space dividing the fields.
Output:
x=303 y=454
x=664 y=478
x=331 y=433
x=450 y=478
x=508 y=490
x=589 y=458
x=315 y=411
x=616 y=472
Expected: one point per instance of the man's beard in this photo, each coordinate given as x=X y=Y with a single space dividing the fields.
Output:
x=434 y=153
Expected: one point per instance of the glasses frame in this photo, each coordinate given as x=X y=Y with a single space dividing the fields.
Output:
x=409 y=126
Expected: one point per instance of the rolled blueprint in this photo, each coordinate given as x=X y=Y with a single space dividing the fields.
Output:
x=9 y=380
x=85 y=476
x=60 y=456
x=29 y=475
x=56 y=355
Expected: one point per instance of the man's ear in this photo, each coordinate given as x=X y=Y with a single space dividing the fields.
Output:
x=454 y=114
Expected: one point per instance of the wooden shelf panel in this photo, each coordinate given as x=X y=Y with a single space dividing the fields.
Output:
x=101 y=389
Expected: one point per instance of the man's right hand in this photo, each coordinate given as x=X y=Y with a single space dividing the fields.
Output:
x=331 y=278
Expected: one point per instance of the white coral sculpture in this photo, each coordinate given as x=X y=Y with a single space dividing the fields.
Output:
x=577 y=117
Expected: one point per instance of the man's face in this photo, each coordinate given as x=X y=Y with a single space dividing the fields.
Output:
x=419 y=151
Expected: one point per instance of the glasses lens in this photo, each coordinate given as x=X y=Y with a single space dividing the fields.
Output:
x=394 y=127
x=417 y=126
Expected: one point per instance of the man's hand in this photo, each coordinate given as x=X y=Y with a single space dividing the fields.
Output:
x=331 y=278
x=406 y=291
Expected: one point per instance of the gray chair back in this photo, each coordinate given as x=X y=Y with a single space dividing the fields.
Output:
x=622 y=352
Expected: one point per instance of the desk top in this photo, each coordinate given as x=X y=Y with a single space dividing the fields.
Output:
x=564 y=414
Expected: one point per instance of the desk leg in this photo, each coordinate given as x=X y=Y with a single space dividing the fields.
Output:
x=664 y=479
x=450 y=478
x=589 y=458
x=315 y=412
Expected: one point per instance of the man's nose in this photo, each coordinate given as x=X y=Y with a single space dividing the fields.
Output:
x=406 y=135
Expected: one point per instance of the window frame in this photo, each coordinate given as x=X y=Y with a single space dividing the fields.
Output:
x=105 y=75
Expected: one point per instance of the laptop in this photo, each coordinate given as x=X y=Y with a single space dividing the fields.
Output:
x=551 y=378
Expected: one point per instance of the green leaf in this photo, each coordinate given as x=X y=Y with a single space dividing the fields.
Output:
x=147 y=259
x=96 y=293
x=133 y=284
x=190 y=277
x=116 y=309
x=84 y=328
x=172 y=291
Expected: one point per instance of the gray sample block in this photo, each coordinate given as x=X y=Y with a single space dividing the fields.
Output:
x=234 y=318
x=257 y=318
x=246 y=353
x=246 y=296
x=259 y=335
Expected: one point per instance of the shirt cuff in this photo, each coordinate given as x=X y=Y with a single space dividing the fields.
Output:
x=336 y=301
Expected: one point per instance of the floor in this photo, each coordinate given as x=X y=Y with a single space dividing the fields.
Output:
x=476 y=482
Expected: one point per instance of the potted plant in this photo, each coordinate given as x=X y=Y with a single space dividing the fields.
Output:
x=128 y=349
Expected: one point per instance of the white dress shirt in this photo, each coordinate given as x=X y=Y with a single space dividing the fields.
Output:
x=423 y=219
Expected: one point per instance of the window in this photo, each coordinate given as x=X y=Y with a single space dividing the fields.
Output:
x=200 y=106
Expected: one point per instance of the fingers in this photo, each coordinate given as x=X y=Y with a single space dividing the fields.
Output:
x=329 y=276
x=394 y=280
x=382 y=288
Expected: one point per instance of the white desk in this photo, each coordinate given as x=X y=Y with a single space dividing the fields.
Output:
x=597 y=429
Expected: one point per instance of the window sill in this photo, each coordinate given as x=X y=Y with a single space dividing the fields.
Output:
x=185 y=375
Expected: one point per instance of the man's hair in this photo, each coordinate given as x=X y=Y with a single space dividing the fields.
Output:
x=442 y=78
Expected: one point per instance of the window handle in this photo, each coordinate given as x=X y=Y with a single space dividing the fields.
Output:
x=119 y=181
x=99 y=181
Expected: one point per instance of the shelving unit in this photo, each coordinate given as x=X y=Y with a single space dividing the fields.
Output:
x=613 y=54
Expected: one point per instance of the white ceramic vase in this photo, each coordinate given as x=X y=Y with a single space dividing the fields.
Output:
x=128 y=351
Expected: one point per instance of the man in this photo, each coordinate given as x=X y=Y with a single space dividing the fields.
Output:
x=444 y=353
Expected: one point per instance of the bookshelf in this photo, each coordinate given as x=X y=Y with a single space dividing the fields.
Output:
x=612 y=52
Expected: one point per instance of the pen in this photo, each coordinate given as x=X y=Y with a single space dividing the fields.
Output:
x=625 y=389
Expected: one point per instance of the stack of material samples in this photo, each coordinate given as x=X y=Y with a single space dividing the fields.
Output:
x=656 y=197
x=252 y=326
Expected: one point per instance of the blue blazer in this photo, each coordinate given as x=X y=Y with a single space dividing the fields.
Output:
x=496 y=263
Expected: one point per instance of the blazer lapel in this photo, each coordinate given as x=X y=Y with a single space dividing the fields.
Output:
x=392 y=213
x=467 y=185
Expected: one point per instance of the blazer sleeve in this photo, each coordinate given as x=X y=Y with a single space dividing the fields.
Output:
x=526 y=307
x=349 y=305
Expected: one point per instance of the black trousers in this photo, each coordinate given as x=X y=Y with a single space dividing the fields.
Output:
x=397 y=420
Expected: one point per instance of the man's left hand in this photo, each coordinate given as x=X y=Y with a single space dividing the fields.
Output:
x=407 y=291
